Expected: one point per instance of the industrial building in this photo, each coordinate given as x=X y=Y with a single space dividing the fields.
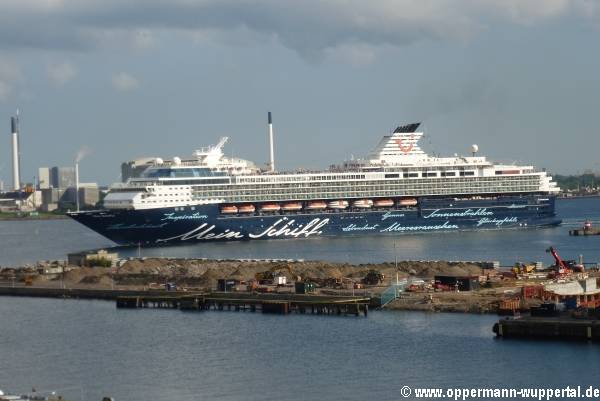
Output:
x=64 y=198
x=44 y=178
x=27 y=201
x=62 y=177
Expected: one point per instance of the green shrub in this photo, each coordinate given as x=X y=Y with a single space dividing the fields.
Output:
x=99 y=262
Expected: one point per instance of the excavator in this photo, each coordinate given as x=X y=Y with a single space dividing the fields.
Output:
x=562 y=268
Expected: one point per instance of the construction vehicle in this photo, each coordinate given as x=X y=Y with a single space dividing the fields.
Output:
x=373 y=277
x=264 y=278
x=562 y=268
x=523 y=268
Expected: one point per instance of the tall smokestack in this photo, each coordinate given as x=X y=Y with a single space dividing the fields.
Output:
x=77 y=185
x=272 y=158
x=14 y=125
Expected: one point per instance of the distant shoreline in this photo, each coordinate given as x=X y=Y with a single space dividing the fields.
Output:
x=579 y=196
x=12 y=217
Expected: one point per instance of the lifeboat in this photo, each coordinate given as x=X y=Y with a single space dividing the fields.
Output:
x=362 y=203
x=339 y=204
x=229 y=209
x=246 y=209
x=316 y=205
x=291 y=207
x=269 y=207
x=383 y=203
x=407 y=202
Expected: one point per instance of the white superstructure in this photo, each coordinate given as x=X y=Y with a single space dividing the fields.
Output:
x=397 y=167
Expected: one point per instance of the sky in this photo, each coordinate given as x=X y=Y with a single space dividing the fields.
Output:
x=114 y=80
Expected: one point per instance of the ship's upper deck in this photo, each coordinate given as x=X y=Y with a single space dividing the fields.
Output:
x=396 y=167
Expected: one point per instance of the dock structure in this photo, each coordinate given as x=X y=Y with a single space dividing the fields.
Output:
x=559 y=328
x=583 y=231
x=252 y=302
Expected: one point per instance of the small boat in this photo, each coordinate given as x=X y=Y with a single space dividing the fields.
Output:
x=246 y=209
x=383 y=203
x=229 y=209
x=316 y=205
x=339 y=204
x=269 y=207
x=407 y=202
x=362 y=203
x=292 y=206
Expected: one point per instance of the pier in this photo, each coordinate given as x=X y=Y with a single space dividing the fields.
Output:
x=242 y=302
x=557 y=328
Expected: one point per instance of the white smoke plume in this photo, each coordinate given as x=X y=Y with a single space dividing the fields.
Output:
x=81 y=153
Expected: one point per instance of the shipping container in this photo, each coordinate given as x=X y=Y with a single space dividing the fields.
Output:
x=461 y=283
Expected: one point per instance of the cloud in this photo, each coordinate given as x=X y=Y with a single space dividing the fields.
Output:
x=61 y=73
x=5 y=90
x=10 y=76
x=357 y=54
x=124 y=82
x=312 y=28
x=142 y=39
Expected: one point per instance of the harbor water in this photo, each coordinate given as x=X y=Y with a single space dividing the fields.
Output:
x=89 y=349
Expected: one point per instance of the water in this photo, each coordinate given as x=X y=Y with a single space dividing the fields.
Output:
x=91 y=349
x=27 y=242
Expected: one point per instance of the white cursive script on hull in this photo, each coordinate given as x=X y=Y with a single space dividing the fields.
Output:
x=288 y=228
x=177 y=217
x=464 y=213
x=497 y=222
x=398 y=227
x=388 y=215
x=354 y=227
x=204 y=232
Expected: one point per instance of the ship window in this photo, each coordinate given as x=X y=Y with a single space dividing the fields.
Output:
x=448 y=174
x=181 y=172
x=392 y=175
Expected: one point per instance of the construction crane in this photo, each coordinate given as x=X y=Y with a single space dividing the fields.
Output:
x=563 y=268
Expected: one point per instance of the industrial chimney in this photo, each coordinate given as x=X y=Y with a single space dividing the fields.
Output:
x=14 y=125
x=272 y=156
x=77 y=184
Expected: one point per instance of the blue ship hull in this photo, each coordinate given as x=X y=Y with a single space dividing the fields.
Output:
x=205 y=223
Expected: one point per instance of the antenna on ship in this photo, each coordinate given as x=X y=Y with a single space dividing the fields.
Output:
x=272 y=156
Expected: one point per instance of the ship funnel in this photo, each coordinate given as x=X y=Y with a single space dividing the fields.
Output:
x=14 y=125
x=272 y=155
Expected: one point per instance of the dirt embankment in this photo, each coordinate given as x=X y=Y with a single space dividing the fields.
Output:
x=197 y=273
x=139 y=274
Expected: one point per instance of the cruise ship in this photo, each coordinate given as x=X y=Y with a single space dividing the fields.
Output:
x=396 y=189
